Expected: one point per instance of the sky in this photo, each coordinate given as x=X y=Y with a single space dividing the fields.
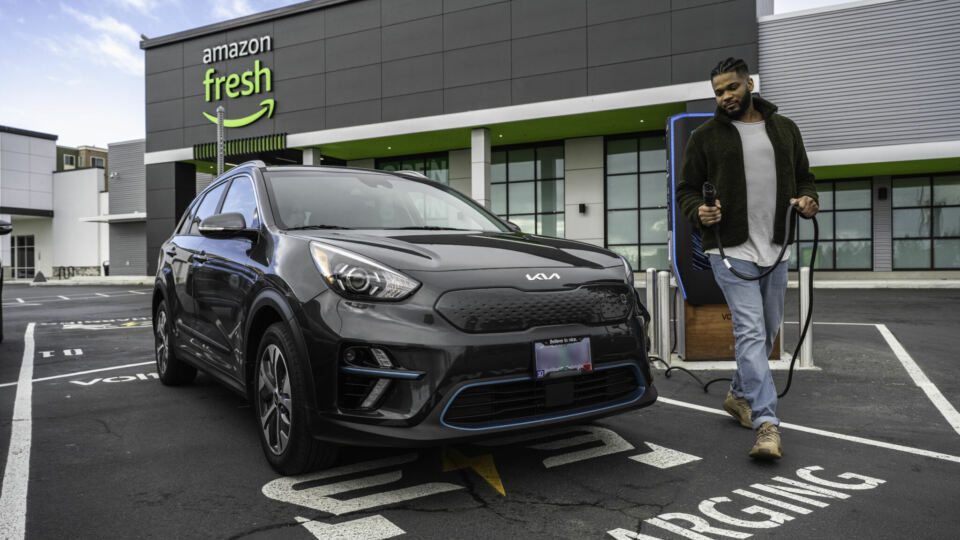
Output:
x=74 y=68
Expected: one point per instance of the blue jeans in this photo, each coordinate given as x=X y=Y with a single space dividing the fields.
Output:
x=757 y=309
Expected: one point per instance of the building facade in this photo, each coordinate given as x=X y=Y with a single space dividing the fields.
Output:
x=553 y=113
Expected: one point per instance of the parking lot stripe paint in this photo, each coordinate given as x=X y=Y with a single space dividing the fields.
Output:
x=103 y=295
x=921 y=380
x=664 y=458
x=63 y=298
x=773 y=502
x=16 y=476
x=824 y=433
x=65 y=375
x=612 y=443
x=709 y=509
x=368 y=528
x=20 y=300
x=137 y=292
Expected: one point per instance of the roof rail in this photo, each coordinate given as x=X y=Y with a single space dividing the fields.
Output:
x=254 y=162
x=412 y=174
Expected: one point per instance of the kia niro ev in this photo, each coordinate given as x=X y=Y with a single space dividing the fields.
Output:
x=369 y=308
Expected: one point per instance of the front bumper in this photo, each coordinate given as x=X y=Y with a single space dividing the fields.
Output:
x=416 y=411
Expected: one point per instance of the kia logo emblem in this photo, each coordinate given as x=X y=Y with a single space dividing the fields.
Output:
x=542 y=276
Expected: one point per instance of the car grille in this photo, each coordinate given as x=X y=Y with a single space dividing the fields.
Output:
x=510 y=310
x=493 y=404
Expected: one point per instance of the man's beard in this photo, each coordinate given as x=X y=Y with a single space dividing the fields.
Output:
x=745 y=103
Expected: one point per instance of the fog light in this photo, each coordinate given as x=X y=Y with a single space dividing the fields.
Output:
x=350 y=355
x=375 y=394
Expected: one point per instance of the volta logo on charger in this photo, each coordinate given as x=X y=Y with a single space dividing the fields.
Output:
x=254 y=81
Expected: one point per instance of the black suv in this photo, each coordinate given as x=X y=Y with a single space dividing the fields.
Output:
x=370 y=308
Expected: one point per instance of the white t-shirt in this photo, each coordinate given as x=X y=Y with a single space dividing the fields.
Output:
x=760 y=167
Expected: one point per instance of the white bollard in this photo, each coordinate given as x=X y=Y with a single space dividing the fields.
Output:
x=806 y=350
x=663 y=314
x=651 y=291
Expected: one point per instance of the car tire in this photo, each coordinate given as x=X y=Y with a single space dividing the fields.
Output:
x=172 y=370
x=280 y=384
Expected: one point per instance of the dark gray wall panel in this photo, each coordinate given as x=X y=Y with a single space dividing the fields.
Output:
x=299 y=60
x=602 y=11
x=163 y=58
x=531 y=17
x=128 y=249
x=457 y=5
x=352 y=17
x=552 y=86
x=193 y=110
x=629 y=75
x=476 y=65
x=160 y=203
x=299 y=29
x=487 y=24
x=398 y=11
x=251 y=31
x=414 y=38
x=351 y=85
x=165 y=115
x=193 y=49
x=353 y=50
x=239 y=65
x=696 y=66
x=164 y=140
x=686 y=4
x=412 y=106
x=413 y=75
x=632 y=39
x=164 y=86
x=714 y=26
x=300 y=94
x=300 y=121
x=365 y=112
x=547 y=53
x=193 y=77
x=204 y=133
x=478 y=96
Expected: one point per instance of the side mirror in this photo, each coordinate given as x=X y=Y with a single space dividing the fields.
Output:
x=512 y=226
x=229 y=225
x=5 y=227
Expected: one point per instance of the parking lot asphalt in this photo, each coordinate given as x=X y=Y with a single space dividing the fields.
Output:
x=114 y=454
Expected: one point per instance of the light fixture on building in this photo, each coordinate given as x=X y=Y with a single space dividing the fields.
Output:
x=583 y=208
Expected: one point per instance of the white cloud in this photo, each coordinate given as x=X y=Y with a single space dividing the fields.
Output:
x=106 y=50
x=231 y=9
x=105 y=24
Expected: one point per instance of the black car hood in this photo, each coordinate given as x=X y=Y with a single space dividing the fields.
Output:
x=456 y=250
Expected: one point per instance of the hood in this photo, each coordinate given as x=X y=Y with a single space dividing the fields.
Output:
x=457 y=250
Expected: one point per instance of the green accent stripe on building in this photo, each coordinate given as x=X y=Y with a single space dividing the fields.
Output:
x=241 y=147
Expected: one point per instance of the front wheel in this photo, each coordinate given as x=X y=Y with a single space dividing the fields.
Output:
x=280 y=390
x=172 y=370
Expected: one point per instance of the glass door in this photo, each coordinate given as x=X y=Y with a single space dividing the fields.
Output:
x=22 y=257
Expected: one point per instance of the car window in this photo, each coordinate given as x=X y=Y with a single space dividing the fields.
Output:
x=186 y=222
x=207 y=207
x=241 y=199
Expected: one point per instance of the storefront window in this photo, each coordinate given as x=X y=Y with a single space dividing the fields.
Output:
x=846 y=228
x=435 y=166
x=926 y=222
x=527 y=187
x=636 y=199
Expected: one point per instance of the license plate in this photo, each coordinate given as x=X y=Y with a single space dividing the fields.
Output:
x=562 y=356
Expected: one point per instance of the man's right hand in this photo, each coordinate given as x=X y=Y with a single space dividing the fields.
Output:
x=709 y=215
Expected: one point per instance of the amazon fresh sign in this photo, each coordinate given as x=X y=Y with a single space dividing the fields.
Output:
x=256 y=80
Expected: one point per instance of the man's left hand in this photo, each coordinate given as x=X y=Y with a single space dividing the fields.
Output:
x=807 y=205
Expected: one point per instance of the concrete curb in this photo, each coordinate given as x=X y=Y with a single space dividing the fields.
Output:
x=95 y=280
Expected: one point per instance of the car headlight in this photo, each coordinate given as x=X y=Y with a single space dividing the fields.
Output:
x=356 y=276
x=629 y=271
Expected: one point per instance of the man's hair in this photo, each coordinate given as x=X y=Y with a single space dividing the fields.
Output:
x=731 y=64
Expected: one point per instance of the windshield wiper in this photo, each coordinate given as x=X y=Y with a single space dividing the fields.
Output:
x=425 y=228
x=315 y=227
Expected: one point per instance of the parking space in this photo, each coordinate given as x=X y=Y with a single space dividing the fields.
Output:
x=114 y=454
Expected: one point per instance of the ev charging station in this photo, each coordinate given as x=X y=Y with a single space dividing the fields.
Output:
x=699 y=331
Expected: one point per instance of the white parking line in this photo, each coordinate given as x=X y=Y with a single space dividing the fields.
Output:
x=831 y=434
x=136 y=292
x=63 y=297
x=20 y=300
x=103 y=295
x=80 y=373
x=921 y=380
x=16 y=477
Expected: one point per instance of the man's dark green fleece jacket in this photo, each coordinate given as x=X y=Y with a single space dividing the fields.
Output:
x=715 y=154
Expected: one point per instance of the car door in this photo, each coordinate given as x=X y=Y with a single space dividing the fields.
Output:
x=190 y=254
x=226 y=278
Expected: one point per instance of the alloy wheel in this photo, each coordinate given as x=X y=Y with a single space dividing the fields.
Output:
x=162 y=342
x=274 y=404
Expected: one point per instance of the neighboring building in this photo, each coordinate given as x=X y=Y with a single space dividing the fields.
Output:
x=45 y=205
x=553 y=113
x=81 y=157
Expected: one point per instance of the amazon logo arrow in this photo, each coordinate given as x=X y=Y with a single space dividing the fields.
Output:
x=266 y=108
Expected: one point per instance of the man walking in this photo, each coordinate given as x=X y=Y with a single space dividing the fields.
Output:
x=755 y=159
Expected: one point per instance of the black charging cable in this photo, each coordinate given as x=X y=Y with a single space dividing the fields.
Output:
x=710 y=199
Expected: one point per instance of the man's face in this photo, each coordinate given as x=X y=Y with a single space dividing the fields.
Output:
x=732 y=93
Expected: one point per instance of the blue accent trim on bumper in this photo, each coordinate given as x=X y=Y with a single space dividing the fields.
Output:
x=641 y=390
x=409 y=375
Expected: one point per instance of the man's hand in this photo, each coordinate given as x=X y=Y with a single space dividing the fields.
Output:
x=807 y=206
x=709 y=215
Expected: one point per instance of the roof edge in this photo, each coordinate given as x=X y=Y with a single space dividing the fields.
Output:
x=28 y=133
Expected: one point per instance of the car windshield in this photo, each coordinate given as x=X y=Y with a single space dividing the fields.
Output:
x=311 y=199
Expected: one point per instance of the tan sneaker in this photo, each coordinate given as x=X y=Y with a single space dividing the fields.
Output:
x=768 y=443
x=739 y=409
